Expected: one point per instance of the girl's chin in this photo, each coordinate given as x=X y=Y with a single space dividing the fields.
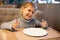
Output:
x=28 y=18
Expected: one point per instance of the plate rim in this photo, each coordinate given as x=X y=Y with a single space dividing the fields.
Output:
x=35 y=35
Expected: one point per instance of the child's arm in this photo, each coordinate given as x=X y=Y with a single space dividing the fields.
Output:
x=9 y=25
x=37 y=23
x=6 y=26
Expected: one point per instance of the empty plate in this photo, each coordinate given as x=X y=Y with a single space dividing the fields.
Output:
x=35 y=31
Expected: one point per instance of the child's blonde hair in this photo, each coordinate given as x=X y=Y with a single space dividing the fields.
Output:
x=25 y=5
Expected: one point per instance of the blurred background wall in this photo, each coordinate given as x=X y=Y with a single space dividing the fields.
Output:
x=51 y=14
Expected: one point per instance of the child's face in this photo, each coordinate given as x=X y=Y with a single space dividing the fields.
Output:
x=28 y=12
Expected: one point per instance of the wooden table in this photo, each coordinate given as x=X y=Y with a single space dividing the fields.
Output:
x=19 y=35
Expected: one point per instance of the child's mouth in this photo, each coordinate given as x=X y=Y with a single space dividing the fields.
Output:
x=28 y=15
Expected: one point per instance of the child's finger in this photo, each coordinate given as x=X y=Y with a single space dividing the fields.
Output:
x=44 y=21
x=15 y=24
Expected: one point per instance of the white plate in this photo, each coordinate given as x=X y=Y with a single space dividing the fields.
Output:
x=35 y=31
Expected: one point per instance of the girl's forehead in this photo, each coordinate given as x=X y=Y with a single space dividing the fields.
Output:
x=30 y=8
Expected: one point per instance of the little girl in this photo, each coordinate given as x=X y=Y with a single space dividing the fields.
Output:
x=26 y=20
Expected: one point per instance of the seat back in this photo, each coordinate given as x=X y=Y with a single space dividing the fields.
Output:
x=8 y=14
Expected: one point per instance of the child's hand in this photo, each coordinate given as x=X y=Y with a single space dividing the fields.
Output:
x=44 y=24
x=14 y=25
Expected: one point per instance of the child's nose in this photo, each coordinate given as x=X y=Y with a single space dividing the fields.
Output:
x=31 y=13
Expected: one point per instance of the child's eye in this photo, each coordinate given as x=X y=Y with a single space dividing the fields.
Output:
x=32 y=12
x=29 y=10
